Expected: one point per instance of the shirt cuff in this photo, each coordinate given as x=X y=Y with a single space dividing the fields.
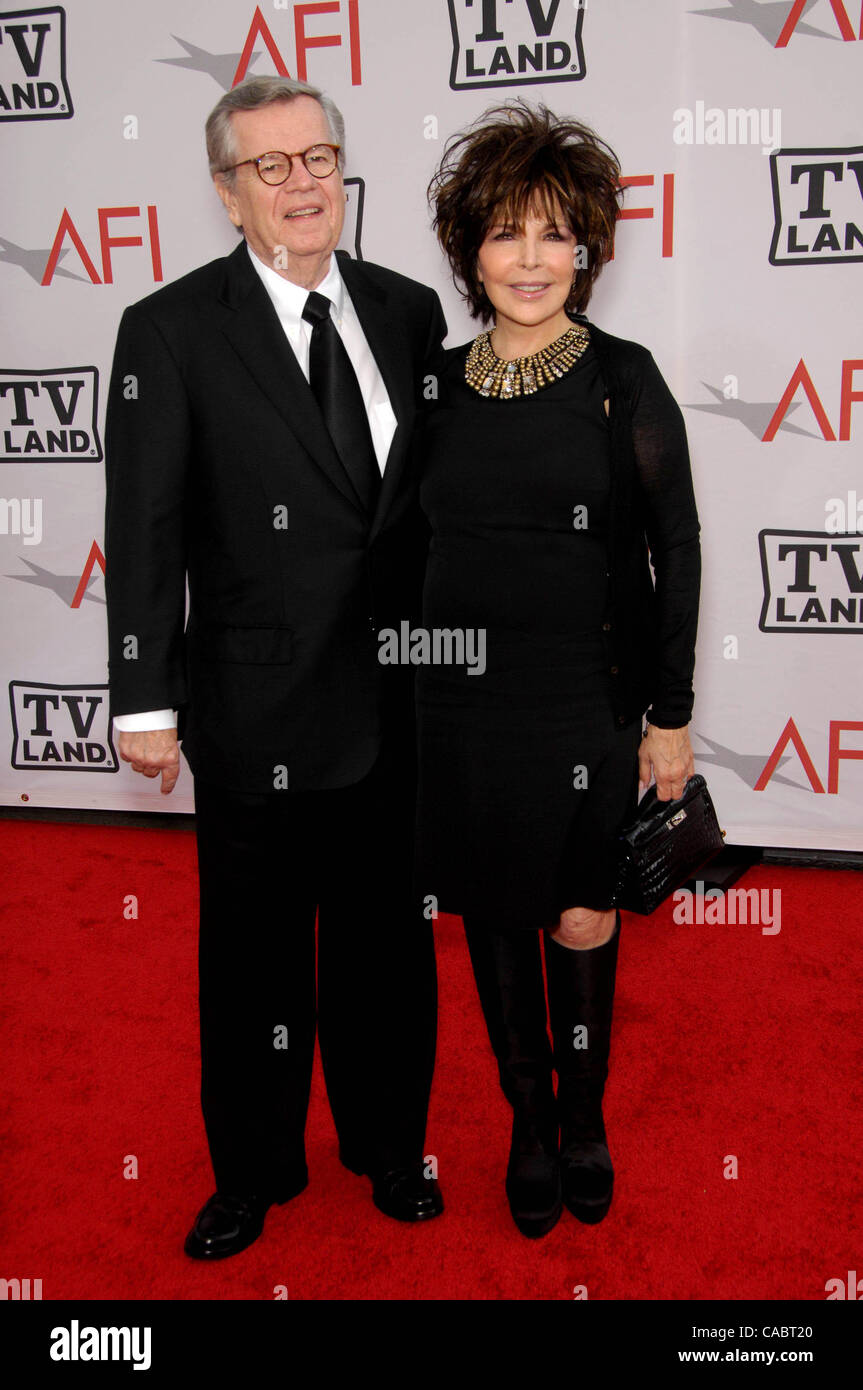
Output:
x=145 y=720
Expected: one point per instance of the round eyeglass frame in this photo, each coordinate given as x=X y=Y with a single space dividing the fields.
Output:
x=295 y=154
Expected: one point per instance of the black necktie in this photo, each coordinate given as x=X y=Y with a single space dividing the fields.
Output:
x=337 y=391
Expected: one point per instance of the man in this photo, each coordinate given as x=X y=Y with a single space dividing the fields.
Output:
x=259 y=445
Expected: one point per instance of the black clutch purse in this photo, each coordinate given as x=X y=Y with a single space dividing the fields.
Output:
x=665 y=844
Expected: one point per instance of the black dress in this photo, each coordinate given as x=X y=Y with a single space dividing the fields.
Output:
x=525 y=777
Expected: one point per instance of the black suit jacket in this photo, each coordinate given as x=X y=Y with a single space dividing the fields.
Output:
x=220 y=470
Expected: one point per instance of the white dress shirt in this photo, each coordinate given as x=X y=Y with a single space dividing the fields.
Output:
x=289 y=301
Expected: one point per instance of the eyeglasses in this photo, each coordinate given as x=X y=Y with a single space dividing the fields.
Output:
x=275 y=167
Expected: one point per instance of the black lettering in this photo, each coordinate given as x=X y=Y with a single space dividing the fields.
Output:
x=525 y=56
x=802 y=559
x=812 y=611
x=852 y=234
x=72 y=703
x=853 y=579
x=500 y=61
x=19 y=390
x=781 y=615
x=817 y=174
x=826 y=237
x=847 y=610
x=42 y=702
x=489 y=30
x=30 y=62
x=542 y=23
x=65 y=413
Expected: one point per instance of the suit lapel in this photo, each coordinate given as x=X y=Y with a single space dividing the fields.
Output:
x=384 y=332
x=252 y=326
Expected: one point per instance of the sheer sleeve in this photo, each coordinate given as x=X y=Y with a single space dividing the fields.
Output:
x=672 y=528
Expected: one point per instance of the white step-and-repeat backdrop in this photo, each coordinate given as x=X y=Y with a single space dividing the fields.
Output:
x=739 y=125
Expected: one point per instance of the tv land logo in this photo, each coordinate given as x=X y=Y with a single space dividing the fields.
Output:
x=813 y=582
x=33 y=84
x=49 y=415
x=513 y=43
x=61 y=728
x=817 y=206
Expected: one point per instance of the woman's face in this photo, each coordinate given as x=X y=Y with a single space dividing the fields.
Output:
x=527 y=271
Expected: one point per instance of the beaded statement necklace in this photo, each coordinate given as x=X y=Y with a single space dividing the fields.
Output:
x=491 y=376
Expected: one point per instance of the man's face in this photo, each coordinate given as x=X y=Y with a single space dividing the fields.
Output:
x=304 y=215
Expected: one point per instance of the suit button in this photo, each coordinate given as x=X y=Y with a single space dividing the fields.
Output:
x=615 y=670
x=606 y=627
x=621 y=719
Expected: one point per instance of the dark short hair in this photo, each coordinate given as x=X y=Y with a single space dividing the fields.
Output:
x=513 y=158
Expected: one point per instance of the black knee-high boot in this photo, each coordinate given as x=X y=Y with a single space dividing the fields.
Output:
x=581 y=994
x=508 y=973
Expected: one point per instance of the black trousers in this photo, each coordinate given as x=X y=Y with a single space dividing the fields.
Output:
x=267 y=864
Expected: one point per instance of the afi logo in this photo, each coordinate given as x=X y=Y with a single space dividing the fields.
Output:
x=61 y=727
x=49 y=415
x=348 y=37
x=33 y=66
x=801 y=378
x=68 y=229
x=817 y=206
x=812 y=582
x=510 y=43
x=791 y=736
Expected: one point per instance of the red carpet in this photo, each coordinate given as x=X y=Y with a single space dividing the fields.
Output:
x=727 y=1042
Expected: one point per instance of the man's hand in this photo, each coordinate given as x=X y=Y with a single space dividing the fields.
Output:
x=152 y=751
x=667 y=753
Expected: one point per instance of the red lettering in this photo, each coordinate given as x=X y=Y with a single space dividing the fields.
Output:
x=107 y=241
x=94 y=558
x=304 y=42
x=668 y=214
x=797 y=11
x=800 y=377
x=354 y=28
x=837 y=752
x=67 y=225
x=847 y=395
x=791 y=735
x=259 y=30
x=155 y=247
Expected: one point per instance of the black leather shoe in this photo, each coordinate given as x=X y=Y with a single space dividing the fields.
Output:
x=406 y=1194
x=227 y=1224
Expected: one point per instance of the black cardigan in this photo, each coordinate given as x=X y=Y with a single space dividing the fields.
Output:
x=650 y=627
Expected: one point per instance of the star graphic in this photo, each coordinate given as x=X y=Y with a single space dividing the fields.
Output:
x=747 y=766
x=220 y=66
x=767 y=18
x=753 y=415
x=63 y=585
x=34 y=261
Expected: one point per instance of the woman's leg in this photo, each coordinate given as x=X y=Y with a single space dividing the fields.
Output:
x=581 y=963
x=508 y=972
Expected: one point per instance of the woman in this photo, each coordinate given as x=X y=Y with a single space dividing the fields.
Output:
x=554 y=456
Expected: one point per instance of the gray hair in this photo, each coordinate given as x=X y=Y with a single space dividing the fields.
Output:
x=248 y=96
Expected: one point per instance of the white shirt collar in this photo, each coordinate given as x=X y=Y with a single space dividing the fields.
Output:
x=290 y=299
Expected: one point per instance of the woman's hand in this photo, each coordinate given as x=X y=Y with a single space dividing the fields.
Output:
x=667 y=753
